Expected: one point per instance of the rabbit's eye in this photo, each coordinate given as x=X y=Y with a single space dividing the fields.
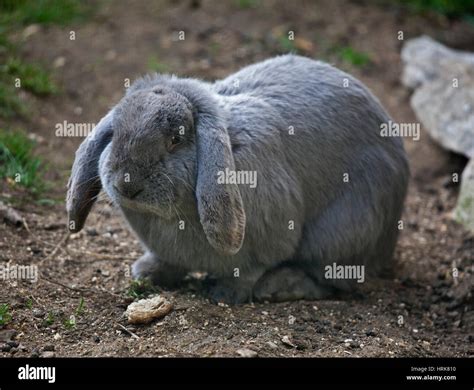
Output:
x=173 y=142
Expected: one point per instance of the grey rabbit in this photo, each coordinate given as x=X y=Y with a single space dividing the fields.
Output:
x=329 y=188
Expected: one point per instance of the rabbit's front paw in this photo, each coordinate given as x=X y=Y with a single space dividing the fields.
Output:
x=145 y=267
x=159 y=273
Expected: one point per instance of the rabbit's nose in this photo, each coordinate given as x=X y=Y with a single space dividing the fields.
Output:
x=127 y=189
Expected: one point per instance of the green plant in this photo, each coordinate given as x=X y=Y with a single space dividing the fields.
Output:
x=354 y=57
x=17 y=161
x=286 y=44
x=70 y=323
x=42 y=11
x=14 y=73
x=10 y=104
x=50 y=319
x=141 y=288
x=214 y=48
x=452 y=8
x=156 y=66
x=80 y=307
x=5 y=316
x=31 y=77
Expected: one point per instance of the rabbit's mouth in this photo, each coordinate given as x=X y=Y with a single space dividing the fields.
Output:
x=161 y=210
x=134 y=196
x=141 y=201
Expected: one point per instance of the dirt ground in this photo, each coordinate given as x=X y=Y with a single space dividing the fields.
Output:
x=423 y=311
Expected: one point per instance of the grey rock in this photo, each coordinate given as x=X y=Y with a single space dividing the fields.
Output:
x=38 y=313
x=448 y=112
x=425 y=60
x=7 y=335
x=35 y=353
x=443 y=101
x=444 y=109
x=248 y=353
x=10 y=215
x=6 y=348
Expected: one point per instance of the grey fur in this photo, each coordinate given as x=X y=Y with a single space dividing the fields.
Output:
x=84 y=184
x=244 y=121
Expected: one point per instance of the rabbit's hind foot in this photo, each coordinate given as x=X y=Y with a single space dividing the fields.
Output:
x=287 y=283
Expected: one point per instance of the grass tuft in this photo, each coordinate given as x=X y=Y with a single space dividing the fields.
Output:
x=5 y=316
x=31 y=76
x=18 y=165
x=10 y=104
x=80 y=307
x=49 y=320
x=354 y=57
x=141 y=288
x=155 y=65
x=13 y=15
x=451 y=8
x=25 y=12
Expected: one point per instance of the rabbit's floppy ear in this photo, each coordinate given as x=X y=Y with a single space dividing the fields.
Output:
x=220 y=205
x=84 y=184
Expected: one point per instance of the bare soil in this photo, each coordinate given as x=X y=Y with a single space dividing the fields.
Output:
x=422 y=311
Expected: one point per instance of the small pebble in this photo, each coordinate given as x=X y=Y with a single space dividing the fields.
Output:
x=247 y=353
x=147 y=310
x=6 y=348
x=38 y=313
x=272 y=345
x=91 y=232
x=7 y=334
x=286 y=340
x=35 y=353
x=59 y=62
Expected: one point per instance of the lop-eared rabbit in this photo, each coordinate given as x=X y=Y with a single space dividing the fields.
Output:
x=264 y=180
